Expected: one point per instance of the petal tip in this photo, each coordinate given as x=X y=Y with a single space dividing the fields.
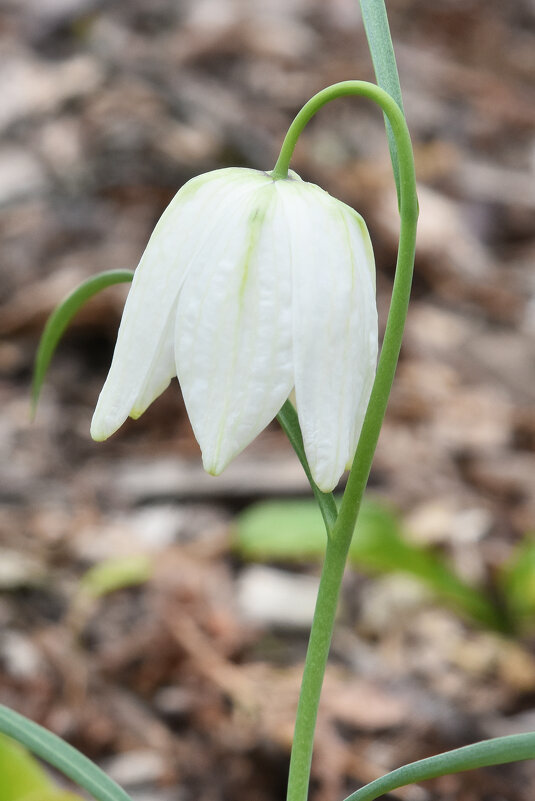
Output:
x=98 y=434
x=212 y=469
x=102 y=427
x=327 y=486
x=212 y=462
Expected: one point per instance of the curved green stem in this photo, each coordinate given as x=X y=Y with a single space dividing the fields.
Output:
x=342 y=531
x=498 y=751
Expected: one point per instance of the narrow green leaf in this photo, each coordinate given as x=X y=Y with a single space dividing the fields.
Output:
x=384 y=63
x=293 y=530
x=60 y=319
x=380 y=545
x=499 y=751
x=60 y=755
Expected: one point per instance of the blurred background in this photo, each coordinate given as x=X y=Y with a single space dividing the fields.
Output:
x=157 y=617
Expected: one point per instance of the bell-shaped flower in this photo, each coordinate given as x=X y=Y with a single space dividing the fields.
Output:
x=250 y=288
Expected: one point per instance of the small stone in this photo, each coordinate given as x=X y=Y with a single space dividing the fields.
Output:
x=174 y=702
x=439 y=521
x=390 y=602
x=60 y=145
x=19 y=656
x=278 y=598
x=18 y=570
x=136 y=768
x=21 y=174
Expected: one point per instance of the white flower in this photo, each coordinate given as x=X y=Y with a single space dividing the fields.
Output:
x=250 y=288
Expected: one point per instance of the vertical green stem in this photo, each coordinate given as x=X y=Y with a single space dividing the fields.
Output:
x=315 y=663
x=340 y=536
x=384 y=63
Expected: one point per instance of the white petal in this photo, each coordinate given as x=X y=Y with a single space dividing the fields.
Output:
x=161 y=370
x=233 y=334
x=334 y=326
x=143 y=361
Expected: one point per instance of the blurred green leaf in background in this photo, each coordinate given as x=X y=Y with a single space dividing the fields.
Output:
x=108 y=576
x=23 y=779
x=116 y=574
x=518 y=585
x=294 y=530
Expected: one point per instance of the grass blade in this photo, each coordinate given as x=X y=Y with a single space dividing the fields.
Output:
x=60 y=755
x=499 y=751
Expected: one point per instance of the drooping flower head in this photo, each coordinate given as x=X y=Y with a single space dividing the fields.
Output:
x=249 y=288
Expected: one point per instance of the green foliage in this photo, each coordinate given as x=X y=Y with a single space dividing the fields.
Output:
x=294 y=530
x=377 y=30
x=102 y=579
x=518 y=585
x=62 y=316
x=116 y=574
x=23 y=779
x=57 y=753
x=498 y=751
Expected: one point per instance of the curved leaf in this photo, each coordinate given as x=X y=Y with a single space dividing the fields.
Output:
x=293 y=530
x=60 y=755
x=499 y=751
x=60 y=319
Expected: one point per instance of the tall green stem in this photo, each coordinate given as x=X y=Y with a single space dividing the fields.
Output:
x=341 y=533
x=315 y=663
